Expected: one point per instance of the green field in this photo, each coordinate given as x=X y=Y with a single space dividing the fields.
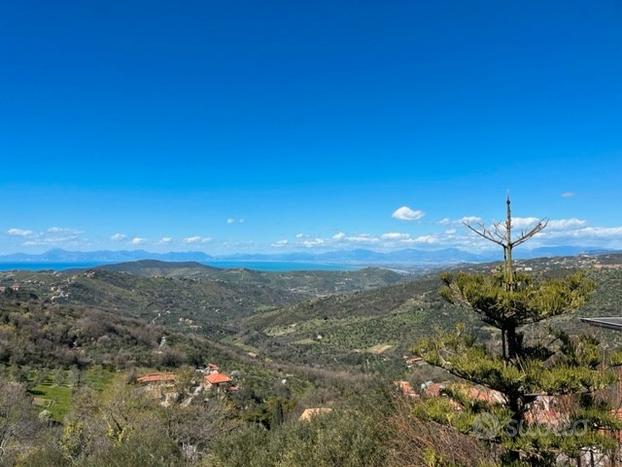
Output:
x=55 y=392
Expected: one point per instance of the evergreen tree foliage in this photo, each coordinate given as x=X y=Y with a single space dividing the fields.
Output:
x=572 y=368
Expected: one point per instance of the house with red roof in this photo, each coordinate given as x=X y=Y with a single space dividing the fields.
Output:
x=217 y=380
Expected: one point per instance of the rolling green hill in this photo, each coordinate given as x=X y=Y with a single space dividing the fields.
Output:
x=363 y=329
x=188 y=297
x=315 y=283
x=377 y=327
x=193 y=305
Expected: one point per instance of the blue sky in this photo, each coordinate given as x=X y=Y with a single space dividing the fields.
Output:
x=259 y=126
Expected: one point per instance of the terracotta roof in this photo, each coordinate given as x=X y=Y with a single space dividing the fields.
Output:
x=308 y=414
x=156 y=378
x=217 y=378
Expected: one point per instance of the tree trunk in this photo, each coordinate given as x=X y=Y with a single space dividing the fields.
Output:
x=503 y=344
x=507 y=250
x=514 y=343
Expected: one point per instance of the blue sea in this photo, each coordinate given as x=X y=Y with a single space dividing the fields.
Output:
x=45 y=266
x=270 y=266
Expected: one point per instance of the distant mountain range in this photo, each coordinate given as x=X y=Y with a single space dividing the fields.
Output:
x=358 y=256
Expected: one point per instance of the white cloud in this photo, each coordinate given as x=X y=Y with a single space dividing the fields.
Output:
x=118 y=237
x=362 y=238
x=518 y=222
x=422 y=239
x=231 y=220
x=601 y=231
x=14 y=232
x=51 y=236
x=138 y=241
x=165 y=240
x=470 y=220
x=312 y=242
x=613 y=233
x=196 y=239
x=553 y=224
x=407 y=214
x=280 y=243
x=342 y=237
x=562 y=231
x=60 y=234
x=308 y=241
x=568 y=194
x=524 y=222
x=395 y=236
x=563 y=224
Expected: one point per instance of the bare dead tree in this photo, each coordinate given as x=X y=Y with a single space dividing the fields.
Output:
x=501 y=234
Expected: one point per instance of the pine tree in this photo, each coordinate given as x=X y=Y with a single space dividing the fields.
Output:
x=568 y=367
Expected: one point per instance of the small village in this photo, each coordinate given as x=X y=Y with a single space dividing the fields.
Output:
x=209 y=380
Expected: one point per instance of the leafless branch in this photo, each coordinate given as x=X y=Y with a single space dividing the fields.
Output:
x=484 y=233
x=526 y=236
